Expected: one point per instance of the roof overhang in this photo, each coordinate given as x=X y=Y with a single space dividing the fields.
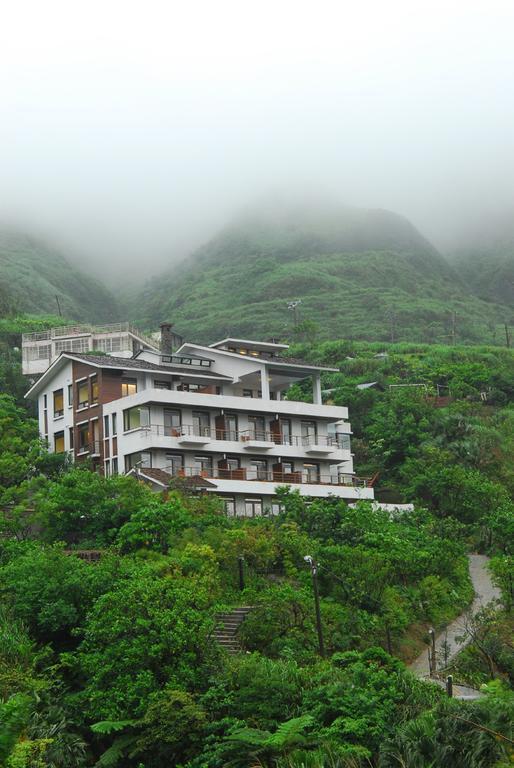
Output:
x=304 y=370
x=265 y=346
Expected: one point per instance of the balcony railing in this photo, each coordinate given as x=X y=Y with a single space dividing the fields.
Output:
x=301 y=477
x=93 y=448
x=248 y=435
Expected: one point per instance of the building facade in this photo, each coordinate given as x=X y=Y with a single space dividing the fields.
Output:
x=218 y=417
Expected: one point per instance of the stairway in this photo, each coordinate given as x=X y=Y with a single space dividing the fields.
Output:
x=227 y=626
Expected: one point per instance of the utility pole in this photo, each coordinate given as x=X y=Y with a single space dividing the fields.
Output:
x=293 y=305
x=314 y=571
x=454 y=326
x=507 y=335
x=58 y=306
x=392 y=325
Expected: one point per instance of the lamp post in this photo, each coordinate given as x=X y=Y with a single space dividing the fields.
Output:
x=314 y=571
x=431 y=653
x=240 y=564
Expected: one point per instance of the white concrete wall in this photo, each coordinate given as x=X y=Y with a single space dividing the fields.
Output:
x=57 y=424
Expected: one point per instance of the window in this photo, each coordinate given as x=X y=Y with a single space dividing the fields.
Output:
x=203 y=465
x=83 y=437
x=231 y=426
x=128 y=387
x=107 y=468
x=174 y=463
x=276 y=508
x=311 y=473
x=257 y=426
x=308 y=431
x=112 y=344
x=63 y=346
x=83 y=393
x=343 y=441
x=253 y=507
x=70 y=395
x=80 y=345
x=172 y=422
x=114 y=424
x=95 y=443
x=58 y=403
x=185 y=387
x=59 y=442
x=258 y=469
x=287 y=467
x=94 y=389
x=71 y=439
x=114 y=466
x=230 y=506
x=285 y=431
x=162 y=384
x=141 y=459
x=135 y=418
x=201 y=423
x=44 y=352
x=247 y=393
x=106 y=426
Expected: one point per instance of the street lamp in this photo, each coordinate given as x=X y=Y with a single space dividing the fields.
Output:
x=314 y=570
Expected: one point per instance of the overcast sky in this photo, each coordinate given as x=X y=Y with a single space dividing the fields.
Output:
x=131 y=131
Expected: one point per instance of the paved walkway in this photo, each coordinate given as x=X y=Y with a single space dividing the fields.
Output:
x=485 y=592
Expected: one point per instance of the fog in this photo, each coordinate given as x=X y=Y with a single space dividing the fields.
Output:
x=131 y=131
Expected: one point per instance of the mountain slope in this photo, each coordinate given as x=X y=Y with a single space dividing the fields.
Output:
x=488 y=267
x=35 y=274
x=359 y=274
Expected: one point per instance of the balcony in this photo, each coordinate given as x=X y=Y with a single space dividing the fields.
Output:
x=92 y=449
x=270 y=476
x=256 y=440
x=249 y=439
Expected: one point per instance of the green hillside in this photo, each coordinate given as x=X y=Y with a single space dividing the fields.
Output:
x=360 y=274
x=488 y=269
x=33 y=274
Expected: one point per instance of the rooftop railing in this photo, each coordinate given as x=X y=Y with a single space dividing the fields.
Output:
x=82 y=329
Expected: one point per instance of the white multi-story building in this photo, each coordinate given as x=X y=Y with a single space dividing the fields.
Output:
x=217 y=416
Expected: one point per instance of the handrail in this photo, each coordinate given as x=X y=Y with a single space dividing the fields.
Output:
x=300 y=477
x=244 y=435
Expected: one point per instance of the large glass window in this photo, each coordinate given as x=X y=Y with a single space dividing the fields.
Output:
x=83 y=436
x=70 y=395
x=114 y=466
x=135 y=418
x=172 y=422
x=139 y=459
x=114 y=424
x=71 y=438
x=94 y=389
x=106 y=426
x=162 y=384
x=58 y=402
x=59 y=442
x=128 y=387
x=83 y=394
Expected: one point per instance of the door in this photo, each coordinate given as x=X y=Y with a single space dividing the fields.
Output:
x=285 y=431
x=231 y=426
x=201 y=423
x=257 y=426
x=172 y=421
x=174 y=464
x=258 y=469
x=308 y=432
x=203 y=466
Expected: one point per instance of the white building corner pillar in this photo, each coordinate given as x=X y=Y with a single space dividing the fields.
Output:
x=316 y=389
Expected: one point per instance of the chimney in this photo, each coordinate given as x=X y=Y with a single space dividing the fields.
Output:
x=166 y=339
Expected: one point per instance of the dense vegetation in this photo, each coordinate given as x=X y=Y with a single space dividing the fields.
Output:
x=113 y=663
x=35 y=277
x=359 y=274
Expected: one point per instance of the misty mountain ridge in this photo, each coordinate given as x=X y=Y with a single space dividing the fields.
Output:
x=359 y=273
x=37 y=275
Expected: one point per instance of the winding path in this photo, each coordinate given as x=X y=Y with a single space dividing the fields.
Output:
x=485 y=592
